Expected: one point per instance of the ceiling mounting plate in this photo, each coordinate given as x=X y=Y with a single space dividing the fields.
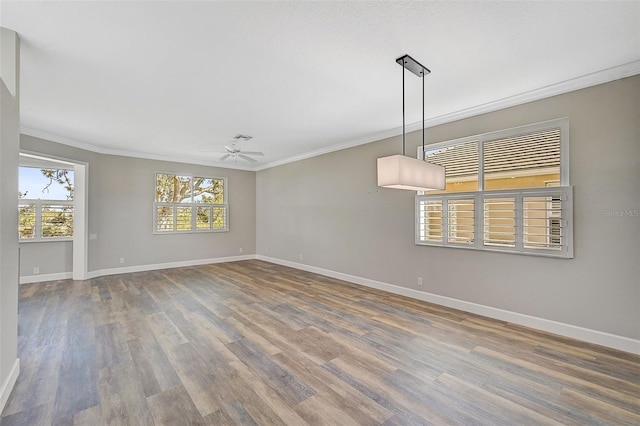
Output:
x=412 y=65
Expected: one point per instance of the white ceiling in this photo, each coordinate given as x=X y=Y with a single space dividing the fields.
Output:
x=169 y=79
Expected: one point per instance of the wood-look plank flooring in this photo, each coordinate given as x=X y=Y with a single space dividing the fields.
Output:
x=254 y=343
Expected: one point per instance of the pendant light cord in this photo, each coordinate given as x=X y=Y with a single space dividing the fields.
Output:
x=403 y=124
x=423 y=155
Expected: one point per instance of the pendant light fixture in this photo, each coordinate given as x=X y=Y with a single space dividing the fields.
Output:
x=400 y=171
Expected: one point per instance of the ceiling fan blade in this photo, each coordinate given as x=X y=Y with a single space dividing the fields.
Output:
x=253 y=153
x=224 y=157
x=230 y=149
x=253 y=160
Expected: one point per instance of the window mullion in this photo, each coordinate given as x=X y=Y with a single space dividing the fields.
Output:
x=38 y=226
x=445 y=221
x=519 y=231
x=479 y=220
x=174 y=212
x=194 y=215
x=564 y=153
x=481 y=164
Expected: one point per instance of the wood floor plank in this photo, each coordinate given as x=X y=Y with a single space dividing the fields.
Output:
x=195 y=375
x=38 y=383
x=599 y=409
x=156 y=371
x=78 y=374
x=165 y=331
x=238 y=414
x=317 y=410
x=34 y=415
x=337 y=393
x=268 y=394
x=174 y=407
x=88 y=417
x=286 y=384
x=508 y=410
x=254 y=336
x=110 y=345
x=396 y=402
x=252 y=342
x=122 y=398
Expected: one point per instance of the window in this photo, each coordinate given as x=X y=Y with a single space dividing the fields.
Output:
x=506 y=191
x=190 y=204
x=45 y=205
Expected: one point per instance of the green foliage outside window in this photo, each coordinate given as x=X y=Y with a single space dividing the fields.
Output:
x=178 y=189
x=206 y=195
x=27 y=221
x=52 y=218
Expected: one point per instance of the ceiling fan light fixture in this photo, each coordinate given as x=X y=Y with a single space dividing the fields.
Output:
x=234 y=151
x=400 y=171
x=241 y=137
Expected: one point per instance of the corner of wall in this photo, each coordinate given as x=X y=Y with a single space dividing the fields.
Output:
x=7 y=385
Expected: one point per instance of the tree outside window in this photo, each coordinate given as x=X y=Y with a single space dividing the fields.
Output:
x=45 y=207
x=186 y=203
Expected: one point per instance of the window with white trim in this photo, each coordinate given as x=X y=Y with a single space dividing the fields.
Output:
x=190 y=204
x=506 y=191
x=45 y=204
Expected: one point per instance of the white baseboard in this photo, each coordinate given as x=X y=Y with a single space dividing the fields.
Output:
x=7 y=385
x=27 y=279
x=592 y=336
x=168 y=265
x=137 y=268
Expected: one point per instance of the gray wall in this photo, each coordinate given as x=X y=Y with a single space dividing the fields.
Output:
x=329 y=210
x=9 y=143
x=52 y=257
x=120 y=213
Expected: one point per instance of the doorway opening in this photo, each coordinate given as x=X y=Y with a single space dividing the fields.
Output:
x=52 y=218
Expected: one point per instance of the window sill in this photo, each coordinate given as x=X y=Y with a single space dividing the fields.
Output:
x=47 y=240
x=217 y=231
x=555 y=255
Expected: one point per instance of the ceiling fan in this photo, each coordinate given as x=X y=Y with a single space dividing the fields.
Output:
x=234 y=151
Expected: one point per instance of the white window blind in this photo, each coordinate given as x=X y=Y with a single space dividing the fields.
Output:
x=45 y=220
x=430 y=220
x=461 y=221
x=499 y=221
x=529 y=221
x=506 y=191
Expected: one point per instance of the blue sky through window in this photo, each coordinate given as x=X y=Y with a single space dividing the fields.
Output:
x=32 y=181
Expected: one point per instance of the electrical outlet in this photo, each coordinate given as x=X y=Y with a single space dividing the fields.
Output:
x=266 y=251
x=300 y=257
x=36 y=270
x=122 y=260
x=419 y=280
x=93 y=236
x=240 y=250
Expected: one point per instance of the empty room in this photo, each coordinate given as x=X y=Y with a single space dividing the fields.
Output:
x=319 y=213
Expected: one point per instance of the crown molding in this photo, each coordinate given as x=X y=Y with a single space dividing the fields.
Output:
x=582 y=82
x=134 y=154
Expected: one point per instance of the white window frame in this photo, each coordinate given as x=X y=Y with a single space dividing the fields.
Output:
x=37 y=228
x=564 y=191
x=194 y=208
